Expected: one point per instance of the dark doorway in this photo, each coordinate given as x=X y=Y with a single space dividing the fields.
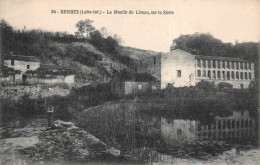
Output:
x=13 y=78
x=24 y=79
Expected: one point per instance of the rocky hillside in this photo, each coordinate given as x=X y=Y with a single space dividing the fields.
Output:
x=95 y=58
x=64 y=143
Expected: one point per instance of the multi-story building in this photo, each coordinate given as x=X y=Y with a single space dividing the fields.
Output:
x=181 y=68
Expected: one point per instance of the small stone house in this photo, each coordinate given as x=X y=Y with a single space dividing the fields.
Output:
x=29 y=70
x=124 y=83
x=22 y=64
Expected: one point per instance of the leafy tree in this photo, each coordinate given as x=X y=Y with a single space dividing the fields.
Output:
x=104 y=32
x=206 y=87
x=118 y=39
x=6 y=71
x=84 y=27
x=96 y=39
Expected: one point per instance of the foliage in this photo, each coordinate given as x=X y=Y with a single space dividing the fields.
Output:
x=84 y=27
x=23 y=109
x=206 y=44
x=206 y=87
x=7 y=71
x=83 y=55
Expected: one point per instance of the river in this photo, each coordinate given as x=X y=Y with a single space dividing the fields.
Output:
x=157 y=139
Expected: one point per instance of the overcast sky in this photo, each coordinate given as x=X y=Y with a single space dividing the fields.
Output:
x=228 y=20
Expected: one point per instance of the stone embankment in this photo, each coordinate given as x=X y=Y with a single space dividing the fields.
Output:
x=63 y=143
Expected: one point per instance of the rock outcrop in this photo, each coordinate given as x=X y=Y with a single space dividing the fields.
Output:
x=63 y=143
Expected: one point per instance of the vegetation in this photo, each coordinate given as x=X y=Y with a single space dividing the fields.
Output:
x=66 y=108
x=206 y=44
x=202 y=102
x=82 y=51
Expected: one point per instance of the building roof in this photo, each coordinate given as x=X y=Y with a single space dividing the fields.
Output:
x=50 y=66
x=136 y=77
x=21 y=58
x=220 y=58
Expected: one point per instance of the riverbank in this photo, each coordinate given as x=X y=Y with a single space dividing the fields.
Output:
x=64 y=143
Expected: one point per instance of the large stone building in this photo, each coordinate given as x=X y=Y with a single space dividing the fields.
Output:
x=181 y=68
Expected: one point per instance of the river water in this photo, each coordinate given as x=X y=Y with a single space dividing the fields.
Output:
x=157 y=139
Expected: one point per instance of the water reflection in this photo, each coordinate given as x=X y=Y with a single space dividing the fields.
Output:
x=159 y=139
x=238 y=127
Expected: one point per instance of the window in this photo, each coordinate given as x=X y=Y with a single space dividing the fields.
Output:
x=204 y=73
x=241 y=65
x=233 y=65
x=214 y=64
x=140 y=87
x=237 y=75
x=198 y=62
x=233 y=75
x=204 y=63
x=141 y=63
x=218 y=74
x=223 y=75
x=28 y=66
x=218 y=64
x=250 y=76
x=178 y=73
x=245 y=75
x=209 y=64
x=241 y=76
x=154 y=60
x=199 y=73
x=228 y=64
x=250 y=66
x=246 y=65
x=223 y=64
x=12 y=62
x=237 y=65
x=214 y=74
x=209 y=74
x=228 y=75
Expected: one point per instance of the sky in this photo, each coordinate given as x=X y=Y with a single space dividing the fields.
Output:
x=228 y=20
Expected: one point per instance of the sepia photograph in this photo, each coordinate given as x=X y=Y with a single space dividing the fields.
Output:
x=129 y=82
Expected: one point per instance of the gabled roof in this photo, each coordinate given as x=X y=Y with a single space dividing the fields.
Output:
x=136 y=77
x=220 y=58
x=21 y=58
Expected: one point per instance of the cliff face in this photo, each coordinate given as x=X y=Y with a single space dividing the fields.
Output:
x=64 y=143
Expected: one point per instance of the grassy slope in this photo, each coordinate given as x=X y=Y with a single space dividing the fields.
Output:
x=86 y=73
x=83 y=72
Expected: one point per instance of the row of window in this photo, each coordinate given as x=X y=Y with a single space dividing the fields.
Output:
x=224 y=75
x=229 y=124
x=228 y=134
x=224 y=64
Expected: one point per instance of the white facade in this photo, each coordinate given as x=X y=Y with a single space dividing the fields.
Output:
x=181 y=68
x=177 y=68
x=22 y=65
